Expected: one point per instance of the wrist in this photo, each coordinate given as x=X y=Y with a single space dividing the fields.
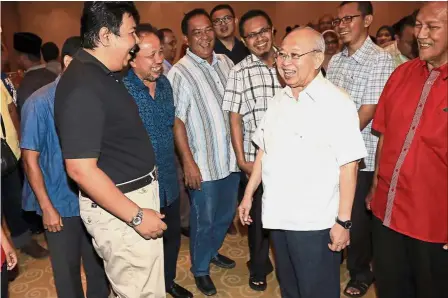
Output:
x=136 y=219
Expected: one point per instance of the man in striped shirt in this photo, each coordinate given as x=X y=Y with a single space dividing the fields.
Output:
x=202 y=137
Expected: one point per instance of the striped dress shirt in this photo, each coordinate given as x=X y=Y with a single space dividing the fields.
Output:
x=198 y=90
x=363 y=75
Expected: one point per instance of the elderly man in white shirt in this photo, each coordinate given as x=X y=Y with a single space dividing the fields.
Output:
x=309 y=147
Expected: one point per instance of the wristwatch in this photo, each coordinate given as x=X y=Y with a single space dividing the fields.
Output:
x=137 y=219
x=345 y=224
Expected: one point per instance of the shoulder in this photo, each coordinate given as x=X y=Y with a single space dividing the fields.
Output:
x=334 y=97
x=379 y=54
x=43 y=94
x=223 y=59
x=241 y=66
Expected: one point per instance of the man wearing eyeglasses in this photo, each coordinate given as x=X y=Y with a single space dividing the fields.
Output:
x=202 y=137
x=251 y=85
x=309 y=146
x=362 y=69
x=224 y=23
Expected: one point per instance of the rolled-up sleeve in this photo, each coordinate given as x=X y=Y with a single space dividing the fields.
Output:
x=233 y=95
x=79 y=119
x=347 y=140
x=181 y=95
x=33 y=125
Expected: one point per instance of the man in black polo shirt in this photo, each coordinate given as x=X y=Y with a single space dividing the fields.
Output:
x=224 y=24
x=109 y=154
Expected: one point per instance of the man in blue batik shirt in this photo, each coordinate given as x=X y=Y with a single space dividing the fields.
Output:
x=154 y=97
x=50 y=193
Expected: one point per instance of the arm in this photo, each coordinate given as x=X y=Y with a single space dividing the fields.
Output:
x=52 y=221
x=252 y=185
x=236 y=133
x=371 y=193
x=366 y=113
x=192 y=173
x=15 y=118
x=347 y=186
x=11 y=256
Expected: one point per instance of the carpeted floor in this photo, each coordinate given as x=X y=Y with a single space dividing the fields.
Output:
x=36 y=278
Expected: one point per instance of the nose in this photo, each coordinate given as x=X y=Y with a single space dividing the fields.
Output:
x=137 y=39
x=421 y=32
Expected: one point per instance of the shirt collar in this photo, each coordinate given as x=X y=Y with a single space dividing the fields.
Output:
x=86 y=57
x=443 y=69
x=200 y=60
x=255 y=59
x=167 y=63
x=134 y=80
x=362 y=52
x=35 y=67
x=313 y=90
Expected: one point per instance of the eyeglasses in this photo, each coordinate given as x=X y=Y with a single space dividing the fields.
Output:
x=293 y=56
x=345 y=20
x=262 y=32
x=198 y=33
x=222 y=21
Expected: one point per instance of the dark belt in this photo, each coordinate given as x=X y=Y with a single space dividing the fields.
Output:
x=134 y=185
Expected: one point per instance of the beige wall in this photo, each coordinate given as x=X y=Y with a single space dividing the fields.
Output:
x=55 y=21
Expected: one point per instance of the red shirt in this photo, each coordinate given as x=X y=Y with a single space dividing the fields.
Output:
x=412 y=193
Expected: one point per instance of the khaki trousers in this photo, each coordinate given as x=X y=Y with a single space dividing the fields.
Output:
x=134 y=266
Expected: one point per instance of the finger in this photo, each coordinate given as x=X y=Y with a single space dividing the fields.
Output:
x=198 y=182
x=163 y=226
x=445 y=247
x=60 y=222
x=58 y=227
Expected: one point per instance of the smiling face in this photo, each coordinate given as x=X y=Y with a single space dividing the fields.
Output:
x=148 y=61
x=258 y=36
x=431 y=33
x=354 y=31
x=224 y=23
x=383 y=36
x=331 y=43
x=201 y=37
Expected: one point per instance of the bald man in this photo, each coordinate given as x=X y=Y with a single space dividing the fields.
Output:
x=410 y=191
x=309 y=147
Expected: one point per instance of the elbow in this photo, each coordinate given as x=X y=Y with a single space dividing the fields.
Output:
x=76 y=171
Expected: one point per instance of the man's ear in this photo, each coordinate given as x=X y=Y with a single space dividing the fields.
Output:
x=105 y=36
x=368 y=19
x=185 y=40
x=319 y=59
x=67 y=59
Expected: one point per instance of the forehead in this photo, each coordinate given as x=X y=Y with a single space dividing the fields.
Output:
x=384 y=31
x=348 y=9
x=433 y=12
x=148 y=41
x=255 y=24
x=128 y=22
x=326 y=19
x=221 y=13
x=330 y=36
x=292 y=42
x=168 y=35
x=198 y=22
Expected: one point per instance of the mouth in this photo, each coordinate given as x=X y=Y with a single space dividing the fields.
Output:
x=343 y=33
x=424 y=45
x=288 y=73
x=205 y=44
x=157 y=69
x=261 y=46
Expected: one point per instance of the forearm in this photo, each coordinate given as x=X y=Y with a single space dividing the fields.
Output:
x=347 y=186
x=236 y=133
x=102 y=191
x=181 y=140
x=366 y=113
x=255 y=178
x=36 y=180
x=15 y=118
x=379 y=147
x=5 y=243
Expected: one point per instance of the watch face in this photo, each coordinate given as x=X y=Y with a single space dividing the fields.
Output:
x=136 y=221
x=348 y=224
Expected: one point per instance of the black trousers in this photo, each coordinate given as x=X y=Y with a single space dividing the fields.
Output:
x=171 y=240
x=405 y=267
x=305 y=266
x=4 y=281
x=260 y=265
x=67 y=248
x=11 y=189
x=360 y=249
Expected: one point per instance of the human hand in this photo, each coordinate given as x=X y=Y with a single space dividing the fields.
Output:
x=340 y=238
x=244 y=211
x=152 y=226
x=51 y=219
x=192 y=175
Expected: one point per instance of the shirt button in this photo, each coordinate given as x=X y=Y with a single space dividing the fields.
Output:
x=413 y=127
x=396 y=170
x=405 y=149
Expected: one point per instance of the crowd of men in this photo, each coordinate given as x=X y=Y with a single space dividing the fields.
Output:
x=326 y=141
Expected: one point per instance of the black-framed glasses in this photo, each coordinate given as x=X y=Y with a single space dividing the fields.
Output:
x=262 y=32
x=293 y=56
x=222 y=21
x=345 y=20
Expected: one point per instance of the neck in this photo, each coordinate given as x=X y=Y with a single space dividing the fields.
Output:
x=228 y=42
x=107 y=60
x=269 y=58
x=437 y=62
x=353 y=47
x=171 y=61
x=300 y=87
x=31 y=64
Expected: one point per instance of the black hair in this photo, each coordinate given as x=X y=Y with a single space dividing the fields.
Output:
x=70 y=47
x=222 y=6
x=250 y=15
x=50 y=51
x=365 y=7
x=99 y=14
x=161 y=33
x=189 y=15
x=388 y=28
x=407 y=21
x=31 y=57
x=147 y=28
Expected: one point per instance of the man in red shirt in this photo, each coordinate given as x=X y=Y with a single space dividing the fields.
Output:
x=410 y=188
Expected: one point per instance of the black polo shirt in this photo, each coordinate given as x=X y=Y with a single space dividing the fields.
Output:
x=238 y=52
x=96 y=117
